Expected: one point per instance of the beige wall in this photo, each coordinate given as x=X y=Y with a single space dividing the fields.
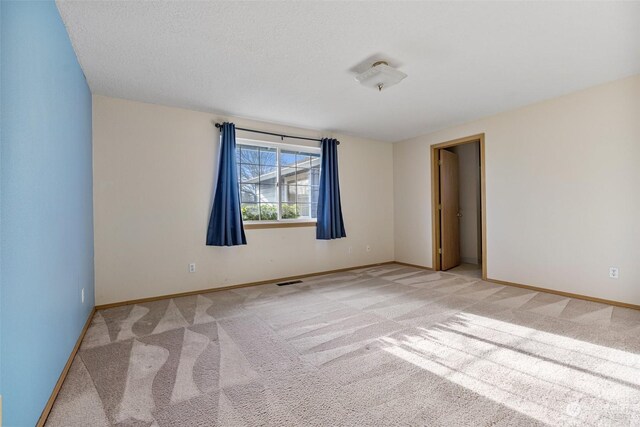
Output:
x=153 y=180
x=562 y=192
x=562 y=199
x=469 y=195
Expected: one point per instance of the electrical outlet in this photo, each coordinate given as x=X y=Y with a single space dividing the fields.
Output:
x=614 y=273
x=82 y=295
x=350 y=250
x=192 y=267
x=368 y=248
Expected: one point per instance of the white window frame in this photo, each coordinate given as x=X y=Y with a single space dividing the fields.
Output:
x=278 y=146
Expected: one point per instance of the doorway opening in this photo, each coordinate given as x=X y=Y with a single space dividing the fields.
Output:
x=459 y=217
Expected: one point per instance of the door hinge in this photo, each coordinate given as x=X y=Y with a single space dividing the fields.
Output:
x=440 y=162
x=439 y=207
x=439 y=250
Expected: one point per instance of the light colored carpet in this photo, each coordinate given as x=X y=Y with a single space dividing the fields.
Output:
x=390 y=345
x=469 y=270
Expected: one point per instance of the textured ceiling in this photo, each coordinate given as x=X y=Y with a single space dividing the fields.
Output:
x=293 y=62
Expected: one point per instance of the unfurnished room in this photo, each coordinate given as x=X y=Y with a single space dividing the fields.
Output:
x=319 y=213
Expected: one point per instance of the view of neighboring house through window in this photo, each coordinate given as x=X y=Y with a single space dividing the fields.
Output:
x=277 y=183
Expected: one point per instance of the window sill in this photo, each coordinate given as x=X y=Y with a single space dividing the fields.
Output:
x=278 y=224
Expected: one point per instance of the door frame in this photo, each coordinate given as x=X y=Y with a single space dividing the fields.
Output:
x=435 y=197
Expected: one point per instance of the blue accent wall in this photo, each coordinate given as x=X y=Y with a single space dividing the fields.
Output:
x=46 y=208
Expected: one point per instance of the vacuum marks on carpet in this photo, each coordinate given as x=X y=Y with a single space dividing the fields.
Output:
x=389 y=345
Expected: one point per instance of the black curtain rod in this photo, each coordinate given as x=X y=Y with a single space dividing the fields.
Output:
x=218 y=125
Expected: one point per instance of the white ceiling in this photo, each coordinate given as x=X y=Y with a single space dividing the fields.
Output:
x=293 y=62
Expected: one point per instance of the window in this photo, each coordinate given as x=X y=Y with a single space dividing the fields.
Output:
x=278 y=183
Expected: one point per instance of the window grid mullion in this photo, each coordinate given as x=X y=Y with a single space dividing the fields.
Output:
x=259 y=185
x=278 y=189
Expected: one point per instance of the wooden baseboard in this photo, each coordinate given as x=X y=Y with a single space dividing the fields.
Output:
x=242 y=285
x=301 y=276
x=539 y=289
x=414 y=265
x=47 y=409
x=565 y=294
